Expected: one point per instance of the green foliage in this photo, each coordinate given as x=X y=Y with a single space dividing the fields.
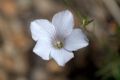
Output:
x=84 y=19
x=111 y=67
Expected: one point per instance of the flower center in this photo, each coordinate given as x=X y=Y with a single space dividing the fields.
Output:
x=58 y=44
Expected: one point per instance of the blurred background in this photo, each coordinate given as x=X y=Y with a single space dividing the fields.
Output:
x=99 y=19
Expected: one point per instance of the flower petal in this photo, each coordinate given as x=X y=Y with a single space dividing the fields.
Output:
x=43 y=48
x=63 y=22
x=76 y=40
x=42 y=27
x=61 y=56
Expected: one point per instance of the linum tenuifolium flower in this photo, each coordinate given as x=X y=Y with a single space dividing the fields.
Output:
x=57 y=39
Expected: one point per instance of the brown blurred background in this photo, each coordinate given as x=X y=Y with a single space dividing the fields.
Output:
x=99 y=19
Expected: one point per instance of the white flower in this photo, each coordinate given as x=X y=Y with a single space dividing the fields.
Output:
x=57 y=39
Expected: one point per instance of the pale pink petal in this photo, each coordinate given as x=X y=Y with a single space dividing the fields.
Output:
x=63 y=22
x=61 y=56
x=75 y=40
x=40 y=28
x=43 y=48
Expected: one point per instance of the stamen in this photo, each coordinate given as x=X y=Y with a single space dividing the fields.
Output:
x=58 y=44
